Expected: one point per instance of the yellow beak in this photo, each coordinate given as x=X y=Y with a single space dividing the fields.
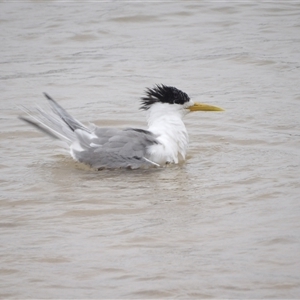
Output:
x=204 y=107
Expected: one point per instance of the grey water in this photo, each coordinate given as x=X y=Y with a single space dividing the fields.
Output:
x=224 y=224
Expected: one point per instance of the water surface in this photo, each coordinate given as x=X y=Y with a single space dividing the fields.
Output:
x=225 y=224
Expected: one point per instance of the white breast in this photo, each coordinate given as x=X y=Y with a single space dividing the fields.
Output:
x=165 y=121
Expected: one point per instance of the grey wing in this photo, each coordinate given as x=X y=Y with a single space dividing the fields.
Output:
x=114 y=148
x=97 y=147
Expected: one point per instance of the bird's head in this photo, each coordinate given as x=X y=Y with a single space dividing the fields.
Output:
x=170 y=95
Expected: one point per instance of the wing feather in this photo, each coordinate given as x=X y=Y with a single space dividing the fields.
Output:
x=114 y=148
x=95 y=146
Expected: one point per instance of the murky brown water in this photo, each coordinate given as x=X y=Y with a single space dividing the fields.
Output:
x=225 y=224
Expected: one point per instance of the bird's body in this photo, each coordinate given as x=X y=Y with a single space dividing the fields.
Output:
x=165 y=140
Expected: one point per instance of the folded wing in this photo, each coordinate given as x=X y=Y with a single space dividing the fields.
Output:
x=94 y=146
x=113 y=148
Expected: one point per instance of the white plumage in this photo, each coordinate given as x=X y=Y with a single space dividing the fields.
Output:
x=165 y=122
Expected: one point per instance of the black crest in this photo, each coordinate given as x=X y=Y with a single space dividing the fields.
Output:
x=163 y=94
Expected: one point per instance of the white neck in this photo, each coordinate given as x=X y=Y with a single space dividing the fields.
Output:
x=165 y=121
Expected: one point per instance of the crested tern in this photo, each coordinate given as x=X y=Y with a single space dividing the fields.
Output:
x=165 y=141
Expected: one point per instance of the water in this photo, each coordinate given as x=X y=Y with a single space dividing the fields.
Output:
x=225 y=224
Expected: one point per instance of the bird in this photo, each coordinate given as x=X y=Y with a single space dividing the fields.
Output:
x=165 y=141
